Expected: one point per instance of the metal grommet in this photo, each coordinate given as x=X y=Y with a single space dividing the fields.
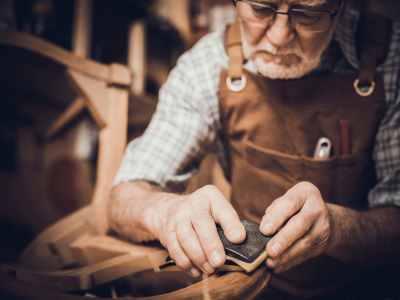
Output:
x=364 y=91
x=238 y=84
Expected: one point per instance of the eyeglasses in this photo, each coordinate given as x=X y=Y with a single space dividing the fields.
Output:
x=312 y=19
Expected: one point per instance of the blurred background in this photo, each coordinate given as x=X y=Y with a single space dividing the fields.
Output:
x=42 y=179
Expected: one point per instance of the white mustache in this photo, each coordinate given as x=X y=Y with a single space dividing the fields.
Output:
x=270 y=49
x=267 y=48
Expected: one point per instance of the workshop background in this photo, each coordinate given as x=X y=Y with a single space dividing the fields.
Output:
x=44 y=174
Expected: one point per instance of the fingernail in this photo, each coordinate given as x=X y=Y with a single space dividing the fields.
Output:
x=266 y=228
x=236 y=234
x=194 y=272
x=207 y=267
x=216 y=258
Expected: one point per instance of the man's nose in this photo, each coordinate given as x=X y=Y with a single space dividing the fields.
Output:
x=279 y=33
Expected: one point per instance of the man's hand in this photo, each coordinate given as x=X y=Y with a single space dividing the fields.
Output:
x=301 y=224
x=185 y=225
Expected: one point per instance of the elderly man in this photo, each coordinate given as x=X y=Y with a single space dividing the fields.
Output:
x=310 y=130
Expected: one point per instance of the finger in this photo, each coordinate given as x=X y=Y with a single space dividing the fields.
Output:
x=205 y=228
x=281 y=210
x=225 y=215
x=293 y=230
x=295 y=256
x=190 y=244
x=301 y=250
x=178 y=255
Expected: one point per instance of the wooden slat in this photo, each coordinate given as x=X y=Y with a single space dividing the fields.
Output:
x=178 y=13
x=63 y=57
x=94 y=94
x=233 y=286
x=74 y=109
x=112 y=142
x=40 y=253
x=137 y=57
x=81 y=37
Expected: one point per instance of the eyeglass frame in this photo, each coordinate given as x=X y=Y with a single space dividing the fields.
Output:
x=332 y=14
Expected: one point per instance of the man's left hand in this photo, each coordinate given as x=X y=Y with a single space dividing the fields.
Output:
x=301 y=224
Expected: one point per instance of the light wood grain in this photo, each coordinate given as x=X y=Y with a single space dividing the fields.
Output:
x=137 y=56
x=233 y=286
x=82 y=29
x=63 y=57
x=73 y=110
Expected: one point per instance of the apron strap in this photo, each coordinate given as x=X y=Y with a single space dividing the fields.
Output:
x=236 y=80
x=374 y=39
x=233 y=46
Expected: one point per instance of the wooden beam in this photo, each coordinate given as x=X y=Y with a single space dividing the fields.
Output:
x=112 y=143
x=94 y=93
x=73 y=110
x=177 y=12
x=137 y=57
x=62 y=57
x=234 y=285
x=82 y=28
x=44 y=251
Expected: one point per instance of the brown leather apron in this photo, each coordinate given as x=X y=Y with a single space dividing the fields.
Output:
x=271 y=128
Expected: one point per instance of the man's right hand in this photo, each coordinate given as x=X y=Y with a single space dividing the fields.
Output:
x=186 y=226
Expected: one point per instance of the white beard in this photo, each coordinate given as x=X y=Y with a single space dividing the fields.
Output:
x=274 y=70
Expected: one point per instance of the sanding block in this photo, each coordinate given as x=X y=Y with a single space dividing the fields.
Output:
x=246 y=256
x=249 y=254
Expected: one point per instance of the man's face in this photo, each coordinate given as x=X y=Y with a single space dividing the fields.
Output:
x=283 y=49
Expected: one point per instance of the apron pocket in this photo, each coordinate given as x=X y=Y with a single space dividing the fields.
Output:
x=343 y=180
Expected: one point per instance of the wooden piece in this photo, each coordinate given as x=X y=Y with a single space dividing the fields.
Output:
x=62 y=57
x=93 y=275
x=94 y=93
x=249 y=267
x=68 y=243
x=137 y=57
x=177 y=12
x=44 y=251
x=112 y=142
x=231 y=286
x=94 y=249
x=81 y=40
x=103 y=266
x=74 y=109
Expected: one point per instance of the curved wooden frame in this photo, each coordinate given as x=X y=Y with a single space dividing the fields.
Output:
x=103 y=90
x=76 y=239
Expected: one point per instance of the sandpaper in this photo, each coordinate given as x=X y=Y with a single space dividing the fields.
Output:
x=251 y=252
x=246 y=256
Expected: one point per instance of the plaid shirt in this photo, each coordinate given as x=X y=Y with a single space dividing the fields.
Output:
x=186 y=123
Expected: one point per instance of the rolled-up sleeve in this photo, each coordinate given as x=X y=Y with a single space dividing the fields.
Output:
x=184 y=123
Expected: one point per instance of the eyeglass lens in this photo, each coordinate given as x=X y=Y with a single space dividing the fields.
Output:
x=299 y=18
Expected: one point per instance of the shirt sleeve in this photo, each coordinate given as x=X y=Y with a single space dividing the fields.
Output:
x=387 y=146
x=387 y=162
x=183 y=125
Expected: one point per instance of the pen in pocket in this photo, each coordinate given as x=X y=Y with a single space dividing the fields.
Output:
x=345 y=141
